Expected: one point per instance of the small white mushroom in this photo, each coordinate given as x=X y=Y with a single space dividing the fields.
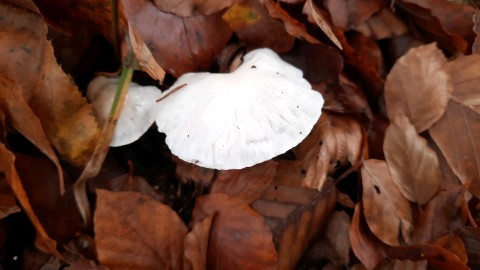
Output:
x=139 y=111
x=236 y=120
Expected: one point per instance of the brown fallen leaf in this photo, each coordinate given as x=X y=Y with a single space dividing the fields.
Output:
x=179 y=45
x=239 y=238
x=250 y=20
x=247 y=184
x=368 y=249
x=337 y=234
x=387 y=212
x=412 y=164
x=456 y=132
x=292 y=26
x=317 y=17
x=43 y=241
x=383 y=24
x=419 y=86
x=186 y=172
x=196 y=245
x=455 y=244
x=334 y=141
x=405 y=264
x=296 y=216
x=347 y=14
x=135 y=231
x=65 y=115
x=471 y=238
x=448 y=23
x=24 y=120
x=192 y=7
x=476 y=29
x=8 y=203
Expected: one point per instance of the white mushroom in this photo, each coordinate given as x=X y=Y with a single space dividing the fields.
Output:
x=236 y=120
x=139 y=111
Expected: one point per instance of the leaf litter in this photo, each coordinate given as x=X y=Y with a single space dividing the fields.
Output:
x=397 y=138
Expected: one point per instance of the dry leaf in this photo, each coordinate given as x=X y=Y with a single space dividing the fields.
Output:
x=247 y=184
x=382 y=25
x=192 y=7
x=333 y=142
x=249 y=19
x=476 y=29
x=8 y=203
x=65 y=115
x=24 y=120
x=179 y=45
x=190 y=172
x=456 y=132
x=412 y=164
x=368 y=249
x=313 y=11
x=347 y=14
x=144 y=56
x=419 y=86
x=405 y=264
x=337 y=234
x=239 y=238
x=387 y=212
x=455 y=244
x=196 y=245
x=43 y=241
x=135 y=231
x=292 y=26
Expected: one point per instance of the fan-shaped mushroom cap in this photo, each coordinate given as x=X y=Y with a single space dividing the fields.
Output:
x=236 y=120
x=139 y=111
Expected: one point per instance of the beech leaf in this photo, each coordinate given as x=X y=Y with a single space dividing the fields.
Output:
x=135 y=231
x=412 y=164
x=419 y=86
x=457 y=132
x=387 y=212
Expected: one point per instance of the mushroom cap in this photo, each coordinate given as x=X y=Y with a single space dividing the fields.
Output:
x=139 y=111
x=239 y=119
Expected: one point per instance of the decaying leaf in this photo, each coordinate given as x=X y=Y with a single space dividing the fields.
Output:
x=387 y=212
x=368 y=249
x=179 y=45
x=419 y=86
x=412 y=164
x=384 y=24
x=65 y=115
x=248 y=183
x=192 y=7
x=239 y=238
x=135 y=231
x=249 y=19
x=311 y=9
x=347 y=14
x=196 y=245
x=456 y=133
x=43 y=241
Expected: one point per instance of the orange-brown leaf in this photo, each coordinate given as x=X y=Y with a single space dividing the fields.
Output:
x=456 y=133
x=247 y=184
x=412 y=164
x=8 y=203
x=419 y=86
x=239 y=238
x=387 y=212
x=66 y=117
x=135 y=231
x=196 y=245
x=347 y=14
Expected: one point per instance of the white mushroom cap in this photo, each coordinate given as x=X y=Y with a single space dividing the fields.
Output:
x=139 y=111
x=236 y=120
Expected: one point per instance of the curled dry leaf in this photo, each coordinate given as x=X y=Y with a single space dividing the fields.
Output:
x=387 y=212
x=419 y=86
x=65 y=115
x=347 y=14
x=24 y=120
x=334 y=141
x=250 y=20
x=192 y=7
x=292 y=26
x=239 y=238
x=455 y=244
x=247 y=184
x=135 y=231
x=43 y=240
x=316 y=16
x=456 y=133
x=196 y=245
x=412 y=164
x=179 y=45
x=368 y=249
x=384 y=24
